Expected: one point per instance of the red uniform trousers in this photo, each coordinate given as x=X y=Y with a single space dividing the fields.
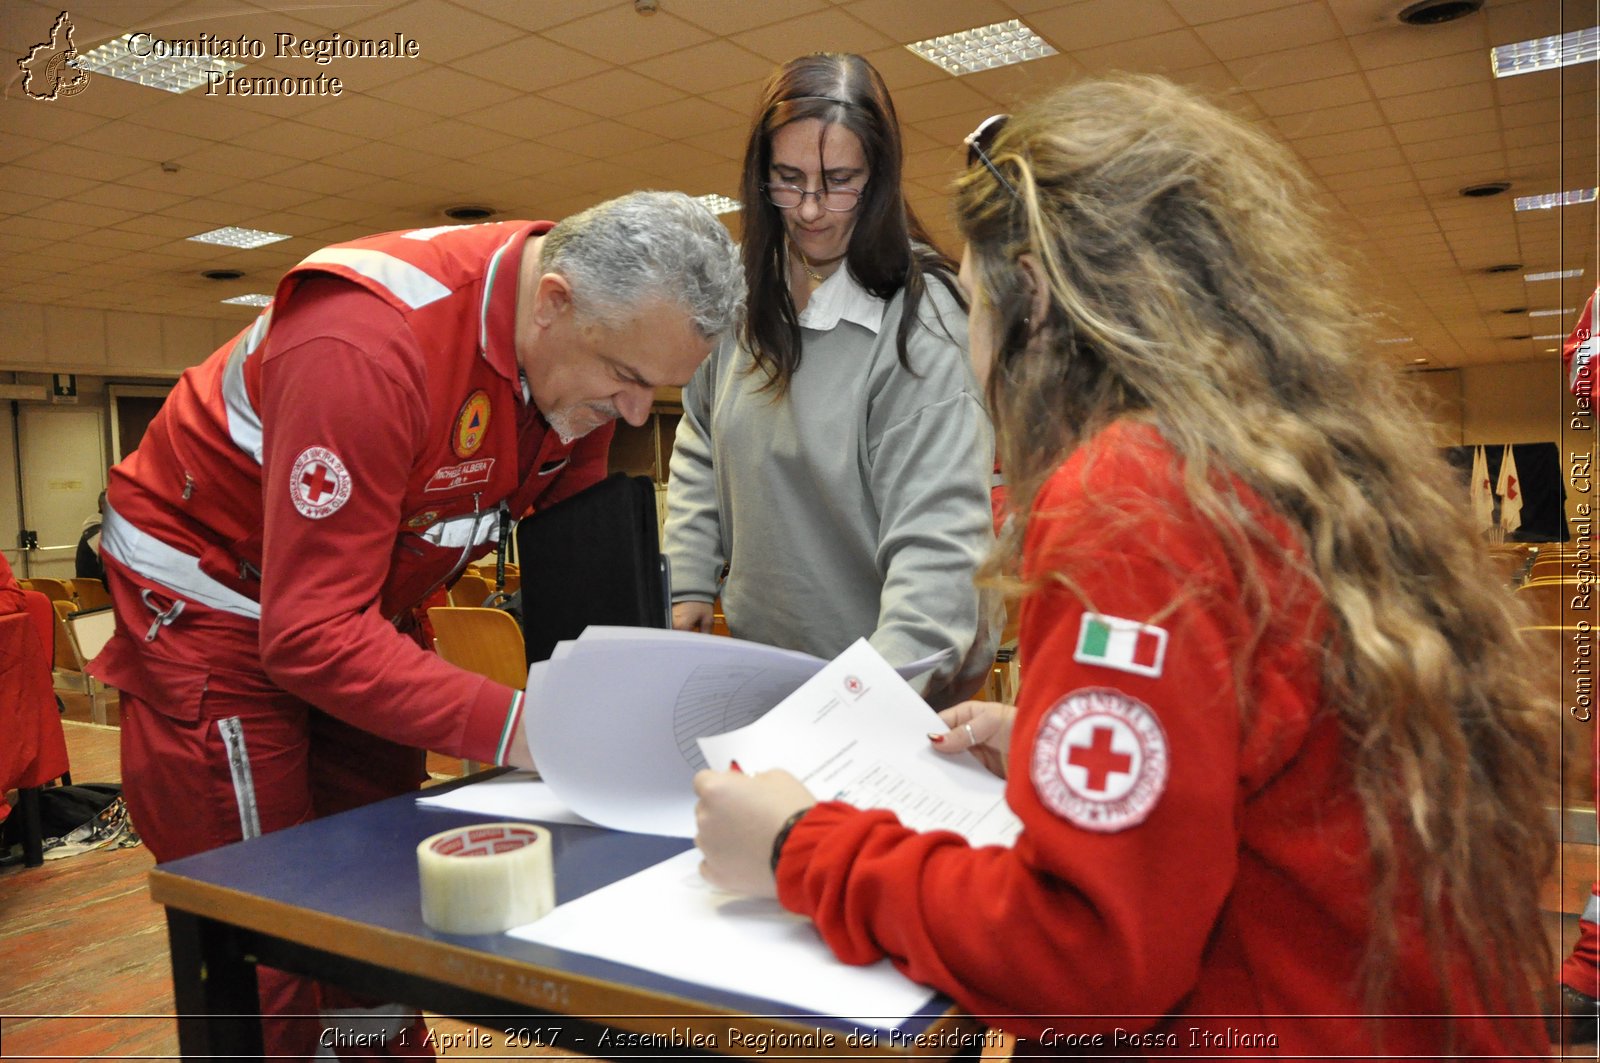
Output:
x=193 y=696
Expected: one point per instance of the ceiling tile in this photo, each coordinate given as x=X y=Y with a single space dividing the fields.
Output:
x=442 y=91
x=529 y=63
x=1075 y=27
x=621 y=35
x=725 y=18
x=830 y=30
x=1312 y=95
x=612 y=93
x=905 y=22
x=1270 y=31
x=687 y=117
x=443 y=31
x=1311 y=62
x=705 y=67
x=1438 y=102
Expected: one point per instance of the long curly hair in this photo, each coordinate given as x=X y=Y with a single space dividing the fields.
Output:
x=1191 y=285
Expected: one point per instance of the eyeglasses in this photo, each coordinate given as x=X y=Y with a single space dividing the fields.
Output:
x=834 y=200
x=978 y=143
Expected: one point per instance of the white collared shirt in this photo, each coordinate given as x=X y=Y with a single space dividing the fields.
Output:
x=842 y=298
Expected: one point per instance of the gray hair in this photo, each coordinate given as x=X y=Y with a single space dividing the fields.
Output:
x=624 y=252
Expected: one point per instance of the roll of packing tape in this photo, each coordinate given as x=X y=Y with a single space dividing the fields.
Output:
x=485 y=879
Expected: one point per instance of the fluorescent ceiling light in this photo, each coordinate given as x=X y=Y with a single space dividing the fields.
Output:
x=1557 y=275
x=233 y=236
x=983 y=48
x=1556 y=199
x=253 y=299
x=1396 y=339
x=1546 y=53
x=1555 y=336
x=717 y=204
x=1549 y=313
x=117 y=58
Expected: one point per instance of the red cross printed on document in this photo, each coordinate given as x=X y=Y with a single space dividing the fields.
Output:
x=319 y=483
x=1099 y=760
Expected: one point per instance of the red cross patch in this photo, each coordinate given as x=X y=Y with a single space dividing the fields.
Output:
x=319 y=483
x=1100 y=760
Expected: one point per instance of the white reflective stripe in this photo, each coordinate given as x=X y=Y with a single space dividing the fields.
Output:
x=997 y=480
x=411 y=285
x=244 y=783
x=170 y=567
x=473 y=529
x=244 y=424
x=366 y=1028
x=488 y=291
x=258 y=331
x=1591 y=911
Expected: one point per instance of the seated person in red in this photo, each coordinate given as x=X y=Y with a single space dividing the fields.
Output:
x=13 y=599
x=1277 y=756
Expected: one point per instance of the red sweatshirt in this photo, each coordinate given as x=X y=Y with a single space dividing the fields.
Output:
x=1184 y=882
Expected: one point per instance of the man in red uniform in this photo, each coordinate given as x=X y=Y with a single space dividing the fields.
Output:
x=313 y=481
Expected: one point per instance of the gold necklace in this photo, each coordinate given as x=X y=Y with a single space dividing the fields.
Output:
x=816 y=278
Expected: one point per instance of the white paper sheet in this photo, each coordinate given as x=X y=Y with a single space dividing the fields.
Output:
x=612 y=718
x=515 y=795
x=857 y=732
x=669 y=920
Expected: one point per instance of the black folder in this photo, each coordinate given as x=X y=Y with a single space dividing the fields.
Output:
x=593 y=558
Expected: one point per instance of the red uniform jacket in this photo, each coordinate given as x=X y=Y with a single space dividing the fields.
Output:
x=1190 y=879
x=317 y=477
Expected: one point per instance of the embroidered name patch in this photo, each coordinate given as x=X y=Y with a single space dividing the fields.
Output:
x=1126 y=645
x=471 y=424
x=467 y=473
x=319 y=483
x=1100 y=760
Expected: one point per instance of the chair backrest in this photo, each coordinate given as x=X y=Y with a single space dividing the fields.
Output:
x=55 y=589
x=1561 y=660
x=470 y=591
x=1559 y=601
x=66 y=651
x=486 y=641
x=91 y=593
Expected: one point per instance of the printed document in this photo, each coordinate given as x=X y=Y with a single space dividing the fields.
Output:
x=856 y=732
x=612 y=718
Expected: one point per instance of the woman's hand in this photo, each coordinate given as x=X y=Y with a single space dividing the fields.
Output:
x=737 y=818
x=982 y=727
x=692 y=616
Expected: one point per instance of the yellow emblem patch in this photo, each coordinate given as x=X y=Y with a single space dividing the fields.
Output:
x=423 y=519
x=472 y=424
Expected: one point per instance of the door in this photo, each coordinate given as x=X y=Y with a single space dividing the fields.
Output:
x=63 y=470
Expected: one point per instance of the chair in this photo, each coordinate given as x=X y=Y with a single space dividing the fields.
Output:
x=1561 y=662
x=91 y=593
x=1557 y=602
x=57 y=590
x=485 y=641
x=79 y=636
x=470 y=591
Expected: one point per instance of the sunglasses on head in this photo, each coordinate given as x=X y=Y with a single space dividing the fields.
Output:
x=978 y=143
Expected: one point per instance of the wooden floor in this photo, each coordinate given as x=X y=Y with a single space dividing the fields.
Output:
x=83 y=951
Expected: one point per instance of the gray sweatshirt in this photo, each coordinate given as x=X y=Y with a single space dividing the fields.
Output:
x=857 y=504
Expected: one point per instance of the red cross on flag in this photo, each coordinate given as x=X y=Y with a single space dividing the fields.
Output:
x=318 y=483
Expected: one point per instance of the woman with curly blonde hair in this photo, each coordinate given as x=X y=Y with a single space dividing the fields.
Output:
x=1278 y=758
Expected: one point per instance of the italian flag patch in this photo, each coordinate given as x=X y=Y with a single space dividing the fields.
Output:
x=1126 y=645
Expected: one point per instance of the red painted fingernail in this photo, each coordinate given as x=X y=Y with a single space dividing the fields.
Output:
x=733 y=765
x=935 y=739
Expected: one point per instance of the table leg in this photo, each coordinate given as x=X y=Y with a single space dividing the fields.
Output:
x=214 y=985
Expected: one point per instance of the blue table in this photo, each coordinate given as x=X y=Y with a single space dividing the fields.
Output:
x=338 y=899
